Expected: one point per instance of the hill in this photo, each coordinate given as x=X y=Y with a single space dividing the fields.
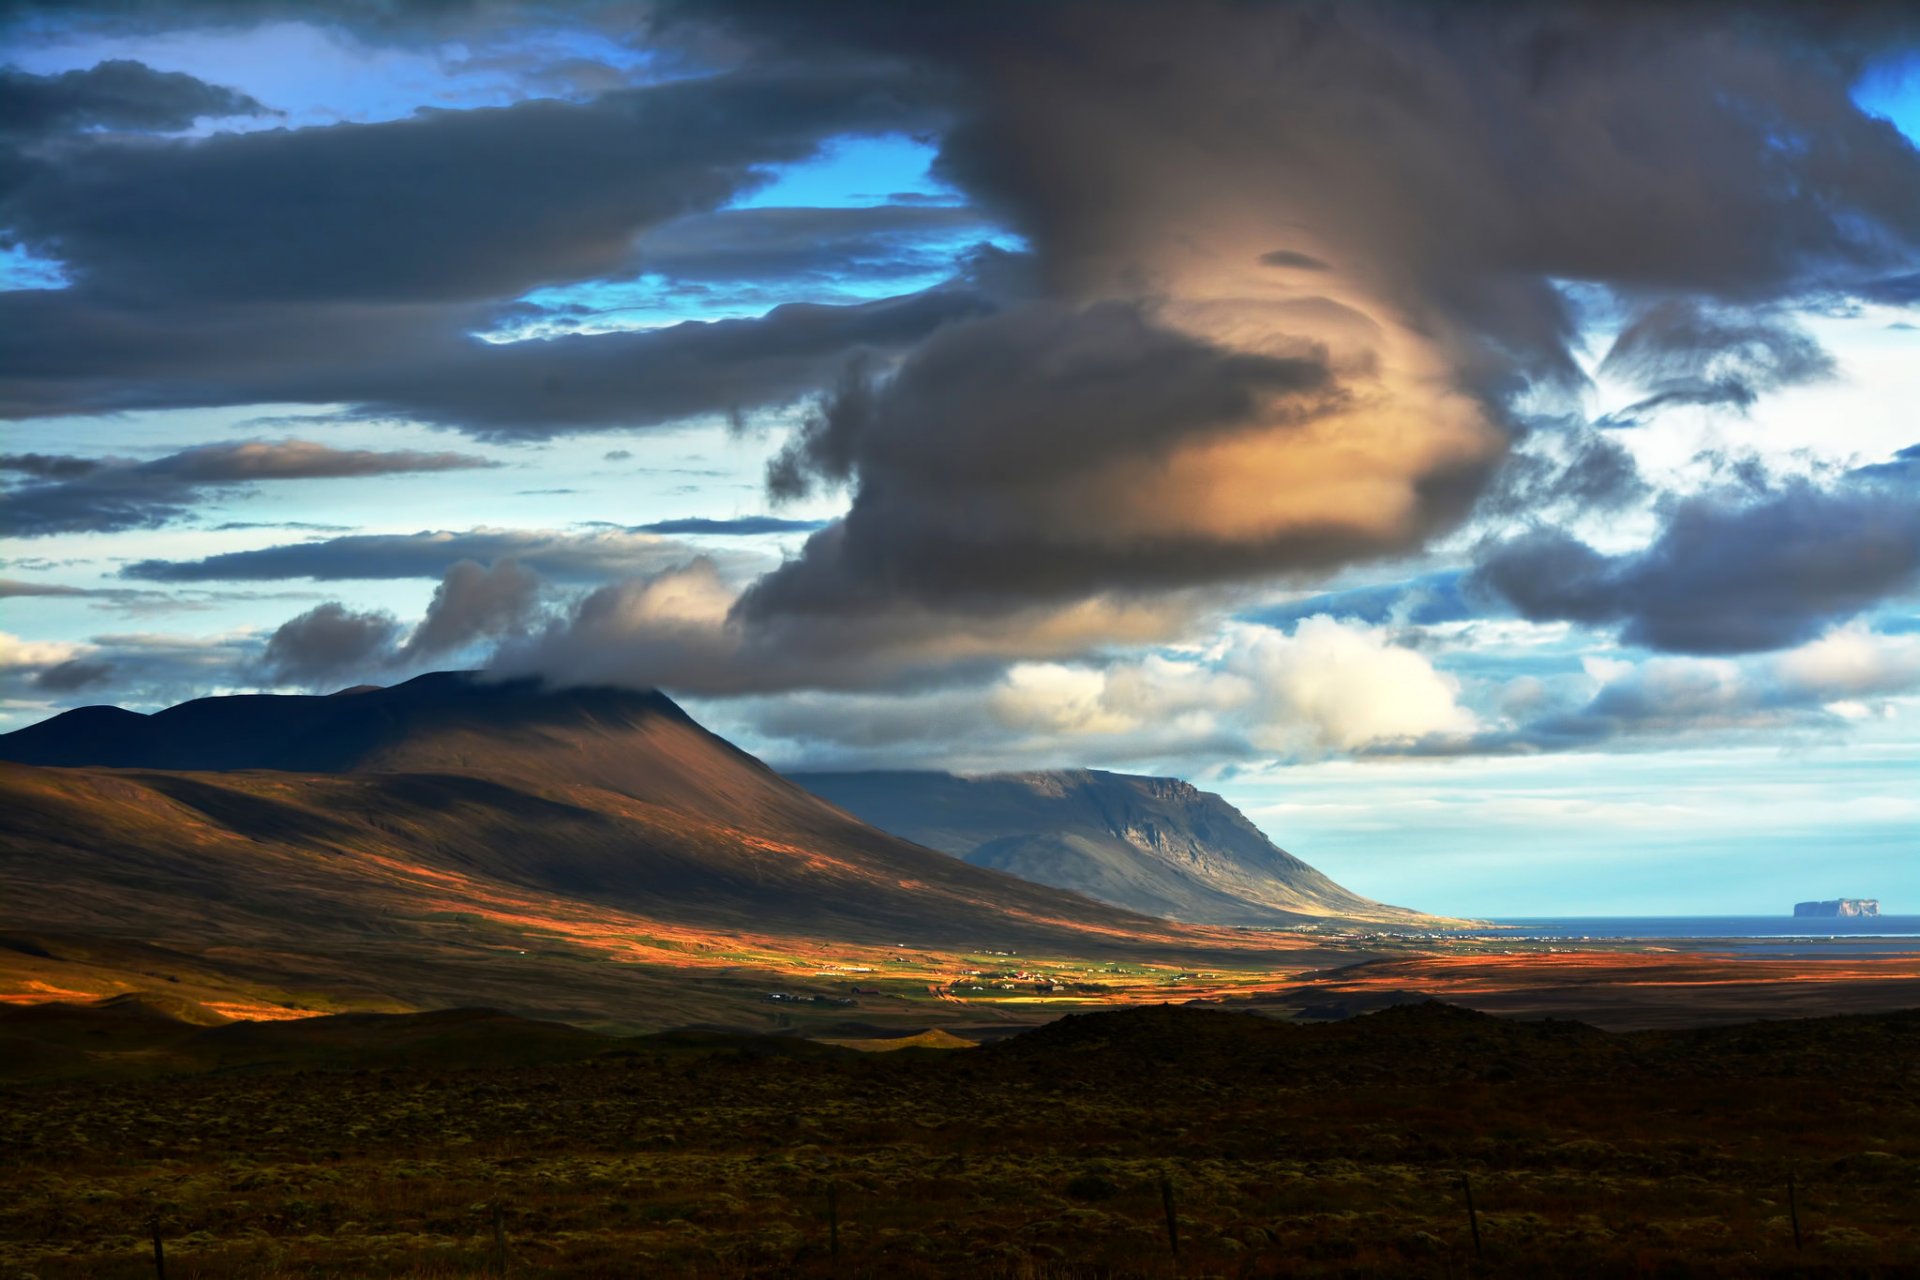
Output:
x=452 y=841
x=1154 y=845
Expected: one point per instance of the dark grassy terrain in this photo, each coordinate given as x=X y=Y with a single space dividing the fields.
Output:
x=1306 y=1150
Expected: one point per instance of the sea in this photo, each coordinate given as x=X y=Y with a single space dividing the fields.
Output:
x=1779 y=936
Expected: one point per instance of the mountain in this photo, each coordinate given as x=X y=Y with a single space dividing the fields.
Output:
x=1159 y=846
x=456 y=841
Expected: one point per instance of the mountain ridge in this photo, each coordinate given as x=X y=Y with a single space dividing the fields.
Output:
x=458 y=841
x=1153 y=844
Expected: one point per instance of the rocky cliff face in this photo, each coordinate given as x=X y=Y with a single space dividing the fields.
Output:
x=1159 y=845
x=1839 y=907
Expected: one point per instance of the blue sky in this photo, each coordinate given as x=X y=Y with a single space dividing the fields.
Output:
x=1075 y=403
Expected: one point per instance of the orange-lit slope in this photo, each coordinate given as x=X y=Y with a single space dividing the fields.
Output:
x=446 y=795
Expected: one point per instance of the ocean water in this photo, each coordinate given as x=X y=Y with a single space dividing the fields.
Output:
x=1777 y=937
x=1647 y=928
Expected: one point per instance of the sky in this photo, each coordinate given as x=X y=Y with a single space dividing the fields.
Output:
x=1478 y=441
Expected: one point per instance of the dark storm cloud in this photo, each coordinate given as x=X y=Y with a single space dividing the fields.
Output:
x=563 y=557
x=118 y=95
x=441 y=206
x=585 y=381
x=782 y=244
x=1725 y=576
x=1428 y=174
x=1681 y=353
x=74 y=355
x=100 y=495
x=969 y=456
x=1160 y=408
x=1060 y=383
x=1894 y=291
x=1709 y=147
x=328 y=645
x=51 y=466
x=394 y=17
x=72 y=675
x=353 y=264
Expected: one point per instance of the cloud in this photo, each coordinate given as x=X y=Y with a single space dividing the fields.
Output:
x=1429 y=177
x=33 y=656
x=1292 y=259
x=221 y=270
x=763 y=245
x=514 y=197
x=1822 y=685
x=1304 y=283
x=1683 y=353
x=1325 y=688
x=78 y=354
x=563 y=557
x=1050 y=452
x=1420 y=601
x=72 y=675
x=1724 y=575
x=1564 y=469
x=141 y=669
x=1904 y=469
x=328 y=645
x=115 y=95
x=736 y=527
x=13 y=587
x=681 y=630
x=67 y=494
x=473 y=603
x=1332 y=685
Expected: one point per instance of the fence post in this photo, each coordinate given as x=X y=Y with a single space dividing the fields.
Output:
x=1173 y=1219
x=833 y=1220
x=159 y=1251
x=1793 y=1208
x=1473 y=1217
x=499 y=1258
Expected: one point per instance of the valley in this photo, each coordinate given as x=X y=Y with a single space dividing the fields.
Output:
x=596 y=857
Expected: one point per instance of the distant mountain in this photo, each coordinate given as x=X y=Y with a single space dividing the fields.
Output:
x=458 y=841
x=1154 y=845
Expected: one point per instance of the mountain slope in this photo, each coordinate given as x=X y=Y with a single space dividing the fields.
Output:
x=451 y=841
x=1155 y=845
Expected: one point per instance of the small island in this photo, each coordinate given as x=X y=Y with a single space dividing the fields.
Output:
x=1839 y=907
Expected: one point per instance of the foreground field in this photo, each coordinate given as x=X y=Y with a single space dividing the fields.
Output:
x=1284 y=1149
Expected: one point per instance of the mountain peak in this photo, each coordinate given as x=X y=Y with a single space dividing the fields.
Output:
x=352 y=728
